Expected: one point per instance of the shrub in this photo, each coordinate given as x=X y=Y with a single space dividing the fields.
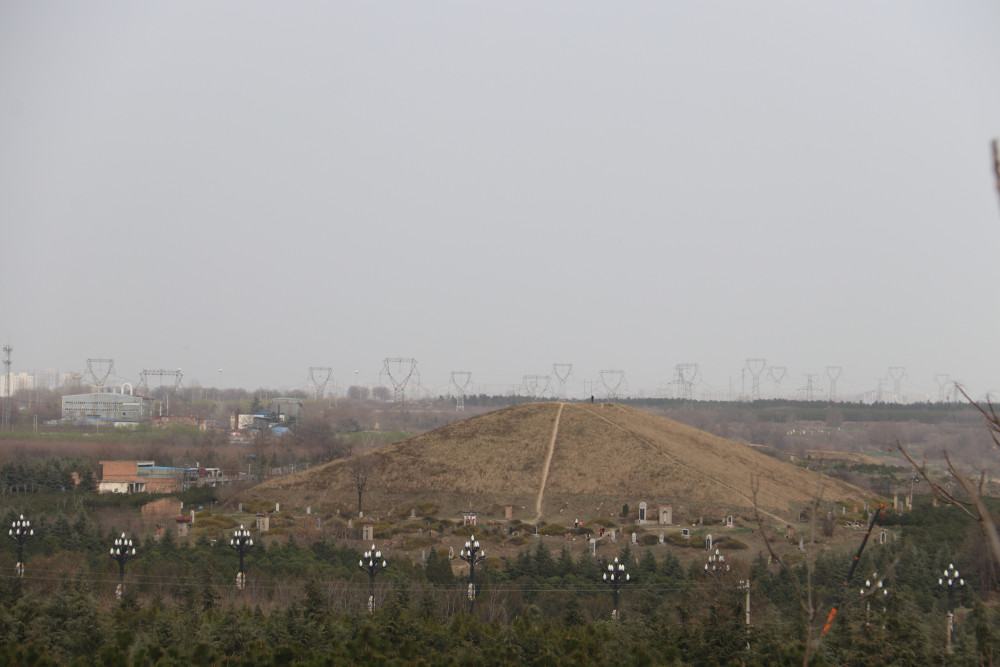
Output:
x=411 y=542
x=649 y=540
x=427 y=509
x=553 y=530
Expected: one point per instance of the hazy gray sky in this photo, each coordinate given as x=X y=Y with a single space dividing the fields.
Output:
x=262 y=187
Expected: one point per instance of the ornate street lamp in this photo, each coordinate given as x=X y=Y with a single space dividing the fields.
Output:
x=243 y=543
x=716 y=564
x=21 y=531
x=471 y=554
x=122 y=551
x=370 y=564
x=951 y=579
x=873 y=586
x=616 y=577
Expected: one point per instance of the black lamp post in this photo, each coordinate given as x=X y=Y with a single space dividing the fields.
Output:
x=122 y=551
x=471 y=554
x=616 y=577
x=21 y=531
x=243 y=543
x=951 y=579
x=716 y=564
x=873 y=586
x=370 y=564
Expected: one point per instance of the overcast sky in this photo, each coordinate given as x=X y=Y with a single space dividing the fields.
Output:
x=265 y=187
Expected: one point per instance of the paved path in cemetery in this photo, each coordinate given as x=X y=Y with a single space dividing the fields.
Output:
x=545 y=469
x=677 y=462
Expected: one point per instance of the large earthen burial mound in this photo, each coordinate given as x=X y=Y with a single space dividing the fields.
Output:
x=550 y=459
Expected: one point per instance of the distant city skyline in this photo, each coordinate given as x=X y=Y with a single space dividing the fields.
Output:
x=267 y=187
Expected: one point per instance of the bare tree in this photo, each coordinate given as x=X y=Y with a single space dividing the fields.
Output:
x=971 y=502
x=361 y=470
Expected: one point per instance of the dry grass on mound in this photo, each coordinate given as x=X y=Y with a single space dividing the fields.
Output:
x=603 y=454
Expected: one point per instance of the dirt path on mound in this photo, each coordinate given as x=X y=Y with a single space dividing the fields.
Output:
x=678 y=463
x=545 y=469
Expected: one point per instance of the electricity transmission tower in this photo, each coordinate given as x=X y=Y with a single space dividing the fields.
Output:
x=535 y=385
x=562 y=373
x=833 y=372
x=320 y=378
x=777 y=374
x=897 y=373
x=942 y=381
x=613 y=382
x=686 y=375
x=399 y=370
x=461 y=380
x=809 y=385
x=99 y=370
x=8 y=388
x=756 y=367
x=165 y=392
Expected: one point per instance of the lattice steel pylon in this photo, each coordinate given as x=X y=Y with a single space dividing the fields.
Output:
x=399 y=370
x=810 y=388
x=145 y=390
x=536 y=385
x=756 y=367
x=99 y=370
x=897 y=373
x=833 y=372
x=320 y=378
x=942 y=381
x=686 y=375
x=613 y=382
x=777 y=374
x=8 y=388
x=562 y=373
x=460 y=379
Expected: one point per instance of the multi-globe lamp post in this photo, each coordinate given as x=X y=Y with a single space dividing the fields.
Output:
x=873 y=586
x=616 y=577
x=716 y=564
x=950 y=579
x=123 y=551
x=472 y=554
x=372 y=563
x=242 y=542
x=20 y=531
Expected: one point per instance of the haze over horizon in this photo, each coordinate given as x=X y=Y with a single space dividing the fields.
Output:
x=263 y=188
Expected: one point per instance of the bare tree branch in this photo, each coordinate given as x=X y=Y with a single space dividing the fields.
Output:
x=996 y=163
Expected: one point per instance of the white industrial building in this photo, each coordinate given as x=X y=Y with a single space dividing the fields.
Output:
x=107 y=406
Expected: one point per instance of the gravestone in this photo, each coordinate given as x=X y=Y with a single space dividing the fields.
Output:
x=277 y=507
x=729 y=521
x=662 y=539
x=451 y=553
x=614 y=536
x=634 y=539
x=508 y=512
x=182 y=530
x=686 y=533
x=413 y=513
x=309 y=510
x=241 y=507
x=368 y=530
x=642 y=513
x=593 y=547
x=263 y=523
x=708 y=542
x=881 y=537
x=420 y=532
